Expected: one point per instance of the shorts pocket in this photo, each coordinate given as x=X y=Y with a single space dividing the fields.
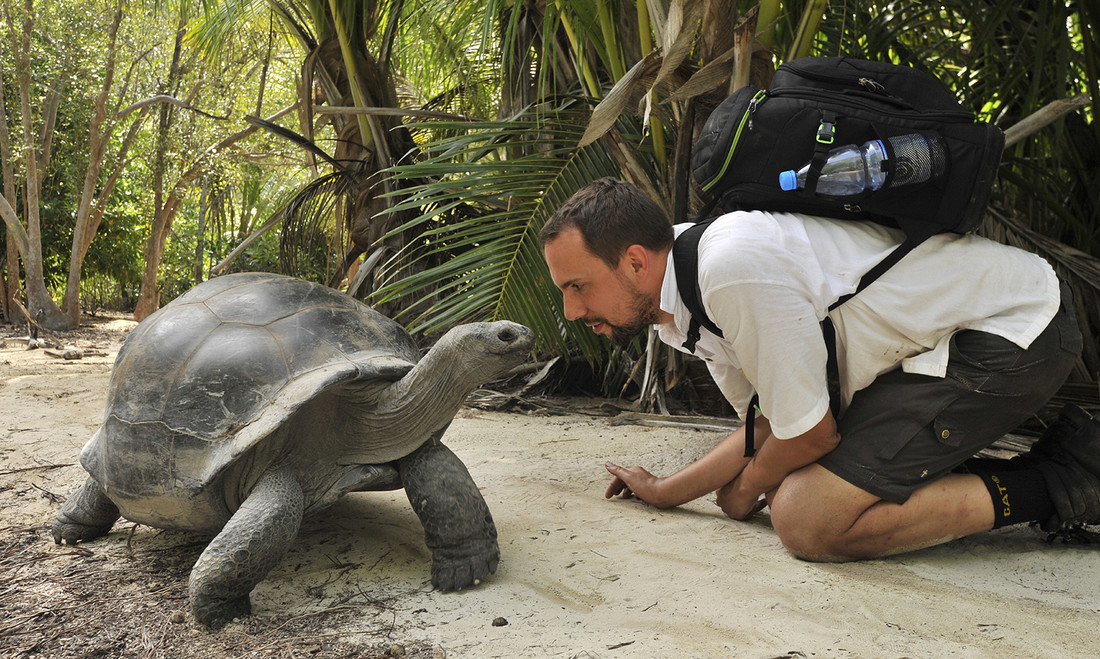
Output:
x=909 y=418
x=897 y=407
x=948 y=434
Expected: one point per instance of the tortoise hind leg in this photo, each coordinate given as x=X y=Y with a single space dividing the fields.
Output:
x=87 y=514
x=458 y=527
x=252 y=542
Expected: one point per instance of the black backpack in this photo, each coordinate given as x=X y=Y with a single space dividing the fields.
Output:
x=812 y=105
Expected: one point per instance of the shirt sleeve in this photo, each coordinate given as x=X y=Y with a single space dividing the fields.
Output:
x=733 y=385
x=774 y=333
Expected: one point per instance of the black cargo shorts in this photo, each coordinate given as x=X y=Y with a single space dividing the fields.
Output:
x=905 y=430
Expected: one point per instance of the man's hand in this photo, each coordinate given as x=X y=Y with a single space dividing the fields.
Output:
x=634 y=482
x=746 y=494
x=738 y=504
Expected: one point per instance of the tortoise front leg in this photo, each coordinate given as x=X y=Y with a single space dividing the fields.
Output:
x=87 y=514
x=253 y=541
x=458 y=527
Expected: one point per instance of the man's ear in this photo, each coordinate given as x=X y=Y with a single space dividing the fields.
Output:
x=637 y=259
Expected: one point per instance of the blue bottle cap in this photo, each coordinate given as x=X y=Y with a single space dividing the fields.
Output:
x=788 y=180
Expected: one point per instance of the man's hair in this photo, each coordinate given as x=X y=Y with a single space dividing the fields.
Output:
x=611 y=216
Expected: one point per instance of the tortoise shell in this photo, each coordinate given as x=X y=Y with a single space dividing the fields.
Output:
x=209 y=380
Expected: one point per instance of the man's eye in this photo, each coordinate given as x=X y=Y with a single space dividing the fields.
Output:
x=578 y=287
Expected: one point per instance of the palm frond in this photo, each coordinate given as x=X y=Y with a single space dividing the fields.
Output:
x=306 y=217
x=479 y=223
x=219 y=22
x=295 y=138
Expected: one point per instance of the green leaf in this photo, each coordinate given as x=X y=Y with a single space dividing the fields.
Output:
x=489 y=190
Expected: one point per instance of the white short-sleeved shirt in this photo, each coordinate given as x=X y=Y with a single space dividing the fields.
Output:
x=767 y=279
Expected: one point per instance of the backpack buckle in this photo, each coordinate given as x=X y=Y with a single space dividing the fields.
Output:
x=826 y=132
x=693 y=336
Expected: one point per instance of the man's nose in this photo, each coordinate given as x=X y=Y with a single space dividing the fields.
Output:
x=574 y=309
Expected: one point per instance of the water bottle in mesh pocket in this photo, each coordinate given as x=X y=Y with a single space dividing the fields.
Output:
x=918 y=158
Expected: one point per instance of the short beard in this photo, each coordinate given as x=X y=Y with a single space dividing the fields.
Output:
x=645 y=312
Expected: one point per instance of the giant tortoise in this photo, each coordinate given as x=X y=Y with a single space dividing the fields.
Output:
x=256 y=398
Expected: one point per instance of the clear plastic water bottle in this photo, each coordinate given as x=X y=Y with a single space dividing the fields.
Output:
x=851 y=169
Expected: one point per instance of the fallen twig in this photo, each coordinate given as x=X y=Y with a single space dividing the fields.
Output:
x=9 y=472
x=712 y=423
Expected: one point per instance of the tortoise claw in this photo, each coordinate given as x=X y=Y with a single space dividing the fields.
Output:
x=87 y=514
x=215 y=612
x=71 y=532
x=460 y=572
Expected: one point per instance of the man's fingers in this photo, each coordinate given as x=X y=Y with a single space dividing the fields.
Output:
x=618 y=484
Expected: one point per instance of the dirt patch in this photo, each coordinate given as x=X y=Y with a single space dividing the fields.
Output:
x=580 y=576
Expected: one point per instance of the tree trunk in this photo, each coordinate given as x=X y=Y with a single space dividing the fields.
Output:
x=11 y=252
x=366 y=143
x=40 y=304
x=87 y=222
x=11 y=280
x=199 y=246
x=149 y=298
x=17 y=233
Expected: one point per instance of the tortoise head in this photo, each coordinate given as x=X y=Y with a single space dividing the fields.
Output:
x=464 y=358
x=478 y=352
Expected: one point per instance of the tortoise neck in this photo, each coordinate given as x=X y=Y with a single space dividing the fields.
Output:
x=429 y=394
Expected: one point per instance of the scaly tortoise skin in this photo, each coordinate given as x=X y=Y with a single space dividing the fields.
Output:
x=254 y=399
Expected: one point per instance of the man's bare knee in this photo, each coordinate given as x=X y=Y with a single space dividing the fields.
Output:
x=804 y=537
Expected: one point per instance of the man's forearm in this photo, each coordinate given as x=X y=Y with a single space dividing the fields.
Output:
x=779 y=457
x=710 y=472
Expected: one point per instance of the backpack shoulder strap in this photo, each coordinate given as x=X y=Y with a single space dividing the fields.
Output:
x=881 y=267
x=832 y=365
x=685 y=260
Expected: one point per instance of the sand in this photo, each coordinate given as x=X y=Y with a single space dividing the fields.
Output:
x=580 y=576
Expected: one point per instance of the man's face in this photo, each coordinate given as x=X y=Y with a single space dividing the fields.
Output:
x=605 y=299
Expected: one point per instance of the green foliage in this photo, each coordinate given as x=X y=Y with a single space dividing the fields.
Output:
x=478 y=229
x=481 y=190
x=70 y=58
x=443 y=59
x=111 y=277
x=117 y=251
x=67 y=61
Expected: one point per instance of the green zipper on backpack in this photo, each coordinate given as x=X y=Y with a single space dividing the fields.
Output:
x=745 y=119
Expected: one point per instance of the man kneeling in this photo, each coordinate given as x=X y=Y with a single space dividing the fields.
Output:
x=949 y=350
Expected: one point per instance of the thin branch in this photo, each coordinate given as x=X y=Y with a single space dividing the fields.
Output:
x=271 y=222
x=164 y=98
x=15 y=228
x=392 y=112
x=1043 y=117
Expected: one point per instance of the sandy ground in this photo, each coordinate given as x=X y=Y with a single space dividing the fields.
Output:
x=580 y=576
